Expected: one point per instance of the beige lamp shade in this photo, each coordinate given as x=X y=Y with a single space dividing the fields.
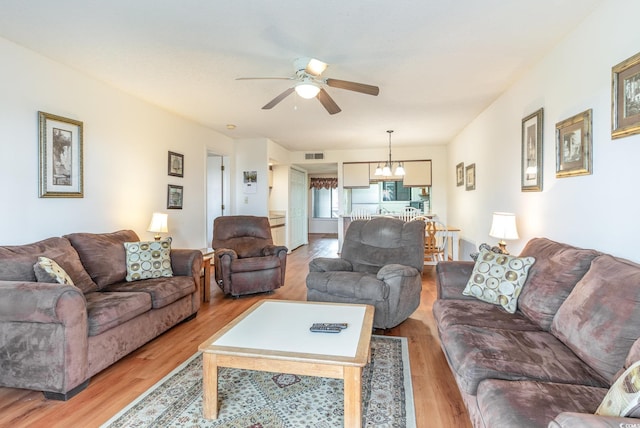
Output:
x=158 y=224
x=503 y=227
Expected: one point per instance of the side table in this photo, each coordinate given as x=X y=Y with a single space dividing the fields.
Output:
x=207 y=263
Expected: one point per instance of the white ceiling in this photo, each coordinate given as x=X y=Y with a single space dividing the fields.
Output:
x=438 y=63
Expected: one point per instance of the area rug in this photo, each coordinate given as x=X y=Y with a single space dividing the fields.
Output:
x=252 y=399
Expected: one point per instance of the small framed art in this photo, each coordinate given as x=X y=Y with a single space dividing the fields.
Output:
x=531 y=167
x=460 y=174
x=625 y=98
x=176 y=164
x=60 y=157
x=470 y=172
x=174 y=197
x=574 y=145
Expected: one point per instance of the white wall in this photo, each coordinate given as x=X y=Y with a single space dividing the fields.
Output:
x=251 y=155
x=125 y=156
x=596 y=211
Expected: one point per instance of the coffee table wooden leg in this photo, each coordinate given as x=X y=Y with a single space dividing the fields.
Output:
x=209 y=386
x=353 y=397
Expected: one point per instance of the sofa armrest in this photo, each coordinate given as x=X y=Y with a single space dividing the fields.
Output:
x=186 y=262
x=43 y=336
x=452 y=278
x=588 y=420
x=329 y=264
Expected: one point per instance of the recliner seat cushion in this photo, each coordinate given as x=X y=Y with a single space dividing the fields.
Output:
x=163 y=291
x=255 y=264
x=353 y=285
x=476 y=354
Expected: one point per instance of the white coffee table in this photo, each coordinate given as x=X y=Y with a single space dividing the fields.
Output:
x=274 y=336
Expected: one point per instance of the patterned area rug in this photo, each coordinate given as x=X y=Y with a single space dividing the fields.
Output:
x=252 y=399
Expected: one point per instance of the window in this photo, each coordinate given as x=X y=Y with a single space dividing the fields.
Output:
x=324 y=203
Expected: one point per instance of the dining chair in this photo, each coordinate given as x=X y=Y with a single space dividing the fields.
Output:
x=435 y=242
x=360 y=214
x=409 y=213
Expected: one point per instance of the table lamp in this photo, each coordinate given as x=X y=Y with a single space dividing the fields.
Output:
x=158 y=225
x=503 y=227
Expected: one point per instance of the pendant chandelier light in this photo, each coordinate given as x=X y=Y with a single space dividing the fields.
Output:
x=385 y=171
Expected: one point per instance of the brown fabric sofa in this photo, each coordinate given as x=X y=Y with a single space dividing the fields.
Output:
x=54 y=337
x=552 y=362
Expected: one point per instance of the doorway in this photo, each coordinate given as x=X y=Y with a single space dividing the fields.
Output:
x=217 y=191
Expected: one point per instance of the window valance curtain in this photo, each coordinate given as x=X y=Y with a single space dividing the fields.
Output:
x=323 y=183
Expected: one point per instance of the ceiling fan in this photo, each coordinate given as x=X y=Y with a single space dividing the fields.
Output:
x=310 y=84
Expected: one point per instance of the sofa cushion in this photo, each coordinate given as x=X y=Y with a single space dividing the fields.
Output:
x=148 y=259
x=498 y=279
x=480 y=314
x=476 y=353
x=48 y=270
x=600 y=320
x=623 y=398
x=17 y=268
x=107 y=310
x=103 y=254
x=557 y=270
x=163 y=291
x=532 y=404
x=58 y=249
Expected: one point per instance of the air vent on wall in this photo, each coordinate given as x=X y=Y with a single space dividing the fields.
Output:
x=313 y=156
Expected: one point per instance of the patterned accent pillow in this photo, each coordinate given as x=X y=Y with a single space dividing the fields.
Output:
x=498 y=279
x=47 y=270
x=623 y=398
x=148 y=259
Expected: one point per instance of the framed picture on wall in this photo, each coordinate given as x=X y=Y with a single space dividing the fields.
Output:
x=176 y=164
x=460 y=174
x=574 y=145
x=470 y=173
x=531 y=165
x=174 y=197
x=625 y=98
x=60 y=157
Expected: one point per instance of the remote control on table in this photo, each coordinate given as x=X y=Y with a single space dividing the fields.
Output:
x=324 y=329
x=340 y=325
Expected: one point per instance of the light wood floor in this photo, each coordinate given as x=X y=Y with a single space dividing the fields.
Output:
x=437 y=400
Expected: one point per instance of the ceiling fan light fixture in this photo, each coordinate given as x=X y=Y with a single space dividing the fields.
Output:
x=307 y=90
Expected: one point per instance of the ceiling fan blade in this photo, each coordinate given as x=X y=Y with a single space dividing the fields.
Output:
x=265 y=78
x=277 y=99
x=353 y=86
x=327 y=102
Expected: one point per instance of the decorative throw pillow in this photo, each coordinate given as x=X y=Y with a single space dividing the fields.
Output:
x=148 y=259
x=498 y=279
x=624 y=395
x=47 y=270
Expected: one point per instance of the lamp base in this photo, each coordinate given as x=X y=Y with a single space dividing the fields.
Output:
x=157 y=237
x=503 y=247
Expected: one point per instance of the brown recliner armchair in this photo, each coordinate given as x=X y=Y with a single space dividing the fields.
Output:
x=246 y=261
x=380 y=265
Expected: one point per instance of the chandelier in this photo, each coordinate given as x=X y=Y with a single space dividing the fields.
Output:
x=385 y=171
